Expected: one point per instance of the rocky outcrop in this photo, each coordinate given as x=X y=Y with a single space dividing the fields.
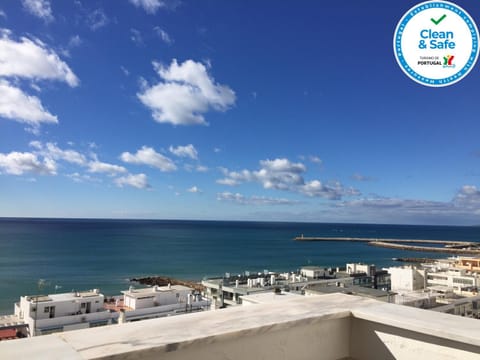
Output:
x=164 y=281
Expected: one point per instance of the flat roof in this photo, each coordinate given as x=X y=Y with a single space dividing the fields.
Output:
x=151 y=291
x=354 y=290
x=10 y=321
x=64 y=296
x=268 y=297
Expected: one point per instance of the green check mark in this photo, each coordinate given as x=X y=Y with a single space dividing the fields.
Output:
x=436 y=22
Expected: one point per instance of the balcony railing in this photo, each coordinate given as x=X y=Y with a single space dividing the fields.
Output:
x=333 y=326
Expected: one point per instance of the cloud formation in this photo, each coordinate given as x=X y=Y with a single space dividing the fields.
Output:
x=97 y=19
x=360 y=177
x=33 y=60
x=186 y=91
x=150 y=6
x=136 y=37
x=19 y=163
x=19 y=106
x=163 y=35
x=39 y=8
x=194 y=189
x=184 y=151
x=282 y=174
x=138 y=181
x=97 y=166
x=52 y=151
x=148 y=156
x=253 y=200
x=464 y=207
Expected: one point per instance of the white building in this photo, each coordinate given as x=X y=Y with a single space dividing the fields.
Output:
x=407 y=278
x=159 y=301
x=46 y=314
x=314 y=272
x=357 y=268
x=452 y=279
x=155 y=296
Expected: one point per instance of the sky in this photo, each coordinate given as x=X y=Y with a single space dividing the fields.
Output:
x=228 y=110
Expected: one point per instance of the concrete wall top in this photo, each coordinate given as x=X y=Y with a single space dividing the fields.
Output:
x=168 y=335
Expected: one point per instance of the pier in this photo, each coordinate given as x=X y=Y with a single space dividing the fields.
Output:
x=450 y=246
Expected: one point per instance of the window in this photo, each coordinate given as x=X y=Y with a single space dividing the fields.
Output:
x=46 y=310
x=462 y=281
x=83 y=305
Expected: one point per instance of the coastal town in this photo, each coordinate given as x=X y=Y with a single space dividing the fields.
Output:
x=444 y=285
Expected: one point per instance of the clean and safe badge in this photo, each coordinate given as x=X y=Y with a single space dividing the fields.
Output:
x=436 y=43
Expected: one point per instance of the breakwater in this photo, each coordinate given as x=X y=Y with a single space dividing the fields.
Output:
x=449 y=246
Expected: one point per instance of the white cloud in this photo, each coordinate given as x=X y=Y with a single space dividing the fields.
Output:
x=228 y=182
x=75 y=41
x=102 y=167
x=39 y=8
x=333 y=191
x=167 y=39
x=136 y=37
x=282 y=174
x=194 y=190
x=125 y=70
x=21 y=107
x=148 y=156
x=253 y=200
x=32 y=59
x=150 y=6
x=463 y=208
x=468 y=196
x=51 y=150
x=184 y=151
x=17 y=163
x=185 y=93
x=315 y=159
x=360 y=177
x=97 y=19
x=201 y=168
x=3 y=14
x=80 y=178
x=138 y=181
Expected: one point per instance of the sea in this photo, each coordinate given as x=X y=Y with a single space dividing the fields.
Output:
x=44 y=256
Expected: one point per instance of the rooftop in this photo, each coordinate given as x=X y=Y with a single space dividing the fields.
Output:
x=268 y=297
x=64 y=296
x=155 y=290
x=337 y=326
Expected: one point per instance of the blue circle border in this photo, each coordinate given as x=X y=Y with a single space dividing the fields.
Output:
x=397 y=43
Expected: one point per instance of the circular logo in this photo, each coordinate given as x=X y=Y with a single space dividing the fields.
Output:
x=436 y=43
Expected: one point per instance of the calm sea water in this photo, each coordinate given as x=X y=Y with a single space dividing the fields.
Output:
x=84 y=254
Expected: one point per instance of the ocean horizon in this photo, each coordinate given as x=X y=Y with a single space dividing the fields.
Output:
x=79 y=254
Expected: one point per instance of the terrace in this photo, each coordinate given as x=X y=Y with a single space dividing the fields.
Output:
x=333 y=326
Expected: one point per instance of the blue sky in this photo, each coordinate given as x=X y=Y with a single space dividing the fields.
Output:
x=243 y=110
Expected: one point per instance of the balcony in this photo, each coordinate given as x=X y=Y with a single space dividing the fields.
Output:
x=333 y=326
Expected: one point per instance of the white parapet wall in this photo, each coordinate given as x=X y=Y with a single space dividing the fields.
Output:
x=333 y=326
